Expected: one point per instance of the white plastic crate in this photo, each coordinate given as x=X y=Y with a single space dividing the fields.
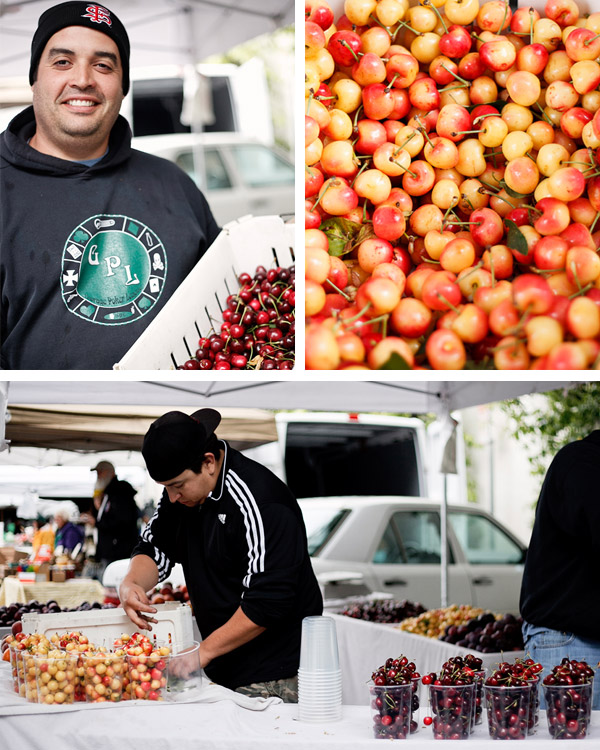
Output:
x=102 y=626
x=195 y=309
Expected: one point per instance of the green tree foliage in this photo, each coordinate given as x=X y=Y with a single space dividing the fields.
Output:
x=563 y=416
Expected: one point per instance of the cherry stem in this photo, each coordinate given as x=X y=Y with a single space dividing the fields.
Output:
x=364 y=216
x=531 y=157
x=448 y=210
x=344 y=43
x=458 y=78
x=378 y=22
x=454 y=88
x=472 y=270
x=531 y=13
x=587 y=42
x=309 y=102
x=464 y=132
x=356 y=116
x=337 y=289
x=500 y=197
x=364 y=166
x=412 y=135
x=504 y=19
x=581 y=289
x=359 y=315
x=391 y=83
x=424 y=132
x=429 y=4
x=479 y=39
x=414 y=31
x=492 y=187
x=544 y=115
x=446 y=302
x=316 y=203
x=489 y=114
x=594 y=222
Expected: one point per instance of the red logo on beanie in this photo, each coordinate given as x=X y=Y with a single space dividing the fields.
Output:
x=98 y=14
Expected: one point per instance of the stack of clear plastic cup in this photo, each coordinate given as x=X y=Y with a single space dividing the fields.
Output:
x=319 y=675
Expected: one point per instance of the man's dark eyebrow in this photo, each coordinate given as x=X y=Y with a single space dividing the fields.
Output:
x=56 y=51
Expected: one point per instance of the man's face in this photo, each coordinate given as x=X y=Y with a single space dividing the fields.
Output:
x=192 y=489
x=78 y=90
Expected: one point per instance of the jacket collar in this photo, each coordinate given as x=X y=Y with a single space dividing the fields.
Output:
x=221 y=478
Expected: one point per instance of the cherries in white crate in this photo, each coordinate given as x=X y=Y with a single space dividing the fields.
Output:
x=452 y=187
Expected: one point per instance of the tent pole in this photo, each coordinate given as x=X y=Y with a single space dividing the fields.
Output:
x=444 y=542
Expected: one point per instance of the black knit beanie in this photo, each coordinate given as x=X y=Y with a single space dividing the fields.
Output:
x=176 y=440
x=96 y=17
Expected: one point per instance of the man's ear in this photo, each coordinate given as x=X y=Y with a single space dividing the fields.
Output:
x=210 y=461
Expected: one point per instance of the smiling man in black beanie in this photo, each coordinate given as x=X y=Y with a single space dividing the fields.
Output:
x=94 y=236
x=239 y=534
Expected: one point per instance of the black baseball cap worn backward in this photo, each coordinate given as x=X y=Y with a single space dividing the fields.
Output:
x=89 y=15
x=175 y=441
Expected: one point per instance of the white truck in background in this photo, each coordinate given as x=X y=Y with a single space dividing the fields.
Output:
x=334 y=453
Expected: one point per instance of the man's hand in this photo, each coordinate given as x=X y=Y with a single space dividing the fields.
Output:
x=136 y=603
x=87 y=518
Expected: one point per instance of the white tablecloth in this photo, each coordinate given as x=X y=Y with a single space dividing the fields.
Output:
x=71 y=593
x=222 y=726
x=364 y=646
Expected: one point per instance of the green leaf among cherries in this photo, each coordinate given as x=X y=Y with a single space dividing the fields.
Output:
x=344 y=235
x=515 y=239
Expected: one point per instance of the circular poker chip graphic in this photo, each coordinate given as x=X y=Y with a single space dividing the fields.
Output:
x=113 y=269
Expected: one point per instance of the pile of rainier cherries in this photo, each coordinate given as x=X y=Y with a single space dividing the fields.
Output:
x=452 y=186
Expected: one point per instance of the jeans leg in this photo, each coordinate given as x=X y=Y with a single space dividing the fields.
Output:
x=549 y=647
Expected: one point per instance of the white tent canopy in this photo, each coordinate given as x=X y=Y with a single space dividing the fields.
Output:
x=161 y=32
x=417 y=397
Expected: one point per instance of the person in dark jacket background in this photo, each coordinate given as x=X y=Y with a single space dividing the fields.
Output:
x=559 y=603
x=115 y=518
x=94 y=235
x=239 y=535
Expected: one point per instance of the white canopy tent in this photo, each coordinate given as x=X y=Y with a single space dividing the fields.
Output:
x=161 y=32
x=416 y=397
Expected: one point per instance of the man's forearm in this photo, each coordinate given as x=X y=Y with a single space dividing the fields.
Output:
x=142 y=571
x=239 y=629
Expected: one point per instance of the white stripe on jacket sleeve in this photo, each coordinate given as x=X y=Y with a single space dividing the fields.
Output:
x=255 y=532
x=163 y=563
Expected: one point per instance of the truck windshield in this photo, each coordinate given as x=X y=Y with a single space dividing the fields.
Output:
x=329 y=459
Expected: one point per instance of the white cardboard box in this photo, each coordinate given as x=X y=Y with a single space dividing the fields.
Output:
x=102 y=626
x=195 y=309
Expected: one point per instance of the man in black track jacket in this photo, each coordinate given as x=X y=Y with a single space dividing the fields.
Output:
x=94 y=235
x=239 y=534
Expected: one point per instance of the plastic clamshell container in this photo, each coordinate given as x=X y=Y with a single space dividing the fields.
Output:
x=195 y=309
x=102 y=626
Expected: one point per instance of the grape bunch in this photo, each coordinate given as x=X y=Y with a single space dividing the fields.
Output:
x=384 y=610
x=487 y=633
x=258 y=328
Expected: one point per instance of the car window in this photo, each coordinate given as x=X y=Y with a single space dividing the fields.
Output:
x=389 y=549
x=411 y=537
x=483 y=541
x=216 y=172
x=261 y=167
x=320 y=524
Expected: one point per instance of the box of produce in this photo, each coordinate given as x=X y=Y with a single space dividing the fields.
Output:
x=196 y=310
x=102 y=626
x=451 y=185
